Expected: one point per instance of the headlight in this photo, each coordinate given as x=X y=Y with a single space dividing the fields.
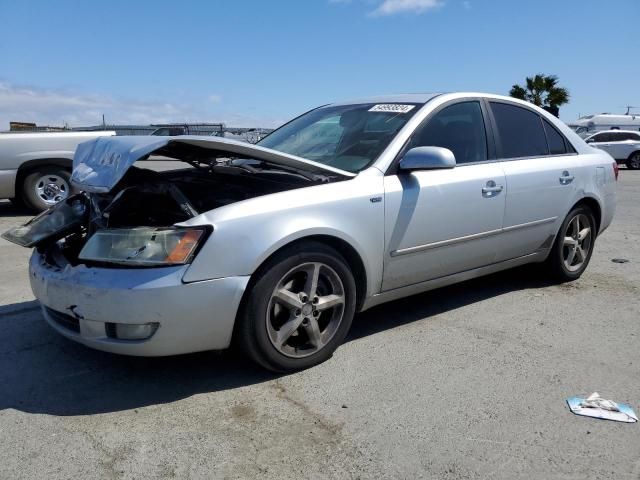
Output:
x=51 y=224
x=144 y=246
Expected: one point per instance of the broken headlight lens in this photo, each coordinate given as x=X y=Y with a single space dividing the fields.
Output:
x=144 y=246
x=52 y=224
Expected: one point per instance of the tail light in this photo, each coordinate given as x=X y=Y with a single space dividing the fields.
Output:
x=616 y=170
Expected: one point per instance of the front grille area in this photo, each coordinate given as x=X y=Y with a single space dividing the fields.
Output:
x=65 y=321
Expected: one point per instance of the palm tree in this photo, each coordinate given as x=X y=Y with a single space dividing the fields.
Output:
x=543 y=91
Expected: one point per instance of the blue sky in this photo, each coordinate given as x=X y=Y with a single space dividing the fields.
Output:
x=260 y=62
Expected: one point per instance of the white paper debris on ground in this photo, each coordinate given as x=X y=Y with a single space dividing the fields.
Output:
x=597 y=407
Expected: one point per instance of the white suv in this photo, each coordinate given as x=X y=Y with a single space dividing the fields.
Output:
x=622 y=145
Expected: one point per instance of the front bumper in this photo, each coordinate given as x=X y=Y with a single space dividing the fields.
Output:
x=80 y=302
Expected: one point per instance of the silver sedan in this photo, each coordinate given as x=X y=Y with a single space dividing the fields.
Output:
x=275 y=247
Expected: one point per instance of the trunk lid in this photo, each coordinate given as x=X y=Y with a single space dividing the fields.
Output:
x=98 y=165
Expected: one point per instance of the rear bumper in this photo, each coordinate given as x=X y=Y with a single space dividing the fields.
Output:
x=80 y=302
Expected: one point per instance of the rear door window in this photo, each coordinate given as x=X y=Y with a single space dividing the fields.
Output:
x=602 y=137
x=615 y=137
x=520 y=131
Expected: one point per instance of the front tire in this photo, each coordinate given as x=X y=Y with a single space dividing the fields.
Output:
x=299 y=308
x=573 y=246
x=633 y=163
x=44 y=187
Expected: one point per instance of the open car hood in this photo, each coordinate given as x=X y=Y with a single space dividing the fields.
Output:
x=98 y=165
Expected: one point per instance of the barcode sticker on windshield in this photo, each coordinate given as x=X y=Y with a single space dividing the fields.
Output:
x=391 y=108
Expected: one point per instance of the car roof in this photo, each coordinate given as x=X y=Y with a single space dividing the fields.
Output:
x=637 y=132
x=423 y=98
x=398 y=98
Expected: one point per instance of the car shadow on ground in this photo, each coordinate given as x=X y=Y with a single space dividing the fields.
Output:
x=42 y=372
x=9 y=209
x=442 y=300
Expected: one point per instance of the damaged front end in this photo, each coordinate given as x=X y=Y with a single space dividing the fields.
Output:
x=60 y=220
x=104 y=229
x=130 y=216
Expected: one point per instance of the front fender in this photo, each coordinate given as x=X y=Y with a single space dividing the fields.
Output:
x=246 y=233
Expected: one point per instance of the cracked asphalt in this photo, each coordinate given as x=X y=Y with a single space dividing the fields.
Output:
x=469 y=381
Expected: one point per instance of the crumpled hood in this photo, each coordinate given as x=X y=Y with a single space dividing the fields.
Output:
x=99 y=164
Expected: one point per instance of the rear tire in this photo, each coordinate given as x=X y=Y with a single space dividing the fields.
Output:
x=44 y=187
x=288 y=320
x=633 y=163
x=573 y=246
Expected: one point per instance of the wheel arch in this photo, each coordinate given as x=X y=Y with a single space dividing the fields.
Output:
x=29 y=166
x=632 y=154
x=344 y=248
x=594 y=206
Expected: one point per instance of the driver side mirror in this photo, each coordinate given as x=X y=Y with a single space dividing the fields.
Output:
x=427 y=158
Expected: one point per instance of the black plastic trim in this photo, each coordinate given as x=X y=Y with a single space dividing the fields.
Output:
x=64 y=320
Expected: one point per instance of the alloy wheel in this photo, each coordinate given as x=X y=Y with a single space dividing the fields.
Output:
x=305 y=310
x=634 y=161
x=577 y=242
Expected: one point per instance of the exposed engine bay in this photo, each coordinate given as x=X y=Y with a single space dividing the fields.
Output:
x=147 y=198
x=128 y=214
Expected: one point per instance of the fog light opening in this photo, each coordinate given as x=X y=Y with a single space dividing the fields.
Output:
x=126 y=331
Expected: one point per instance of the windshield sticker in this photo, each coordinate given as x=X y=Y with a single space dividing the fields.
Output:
x=391 y=108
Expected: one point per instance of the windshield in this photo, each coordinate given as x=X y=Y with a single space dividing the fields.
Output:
x=349 y=137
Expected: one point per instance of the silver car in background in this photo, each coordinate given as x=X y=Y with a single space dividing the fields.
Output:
x=35 y=167
x=274 y=247
x=622 y=145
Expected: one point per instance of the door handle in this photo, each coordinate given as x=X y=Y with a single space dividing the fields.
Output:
x=491 y=189
x=566 y=179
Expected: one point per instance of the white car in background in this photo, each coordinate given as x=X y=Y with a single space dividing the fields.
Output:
x=622 y=145
x=591 y=124
x=35 y=168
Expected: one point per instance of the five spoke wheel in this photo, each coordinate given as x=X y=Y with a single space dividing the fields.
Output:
x=577 y=242
x=574 y=244
x=305 y=310
x=299 y=307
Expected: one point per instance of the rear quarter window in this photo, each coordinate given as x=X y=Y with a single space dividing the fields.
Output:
x=520 y=131
x=557 y=143
x=627 y=136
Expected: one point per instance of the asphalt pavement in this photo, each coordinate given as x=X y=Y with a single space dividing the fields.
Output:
x=469 y=381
